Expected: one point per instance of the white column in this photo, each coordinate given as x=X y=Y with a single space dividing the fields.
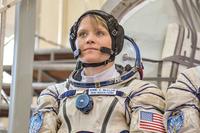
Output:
x=21 y=88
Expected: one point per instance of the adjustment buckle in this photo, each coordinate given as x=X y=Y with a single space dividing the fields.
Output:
x=80 y=91
x=114 y=32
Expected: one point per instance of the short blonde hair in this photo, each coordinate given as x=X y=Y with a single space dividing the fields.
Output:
x=98 y=20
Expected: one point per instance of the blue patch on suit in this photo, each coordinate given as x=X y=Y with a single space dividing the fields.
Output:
x=175 y=121
x=124 y=131
x=84 y=103
x=36 y=122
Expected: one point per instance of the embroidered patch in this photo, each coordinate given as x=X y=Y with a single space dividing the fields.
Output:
x=151 y=121
x=175 y=121
x=36 y=122
x=124 y=131
x=84 y=103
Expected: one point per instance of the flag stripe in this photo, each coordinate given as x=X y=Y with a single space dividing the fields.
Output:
x=153 y=124
x=153 y=129
x=158 y=115
x=158 y=119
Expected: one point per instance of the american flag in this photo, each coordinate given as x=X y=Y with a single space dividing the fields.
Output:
x=152 y=122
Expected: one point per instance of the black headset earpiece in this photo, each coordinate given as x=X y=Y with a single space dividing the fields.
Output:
x=119 y=39
x=72 y=37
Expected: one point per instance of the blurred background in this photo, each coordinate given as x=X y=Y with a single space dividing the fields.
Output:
x=35 y=51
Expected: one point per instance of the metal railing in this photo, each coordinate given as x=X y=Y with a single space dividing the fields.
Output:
x=4 y=6
x=22 y=66
x=2 y=36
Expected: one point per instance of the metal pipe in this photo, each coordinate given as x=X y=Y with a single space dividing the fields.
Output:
x=2 y=36
x=21 y=89
x=5 y=97
x=8 y=5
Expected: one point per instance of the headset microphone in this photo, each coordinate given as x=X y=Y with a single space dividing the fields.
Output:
x=107 y=50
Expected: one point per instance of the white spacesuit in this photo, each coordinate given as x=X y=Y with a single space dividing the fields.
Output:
x=182 y=103
x=112 y=101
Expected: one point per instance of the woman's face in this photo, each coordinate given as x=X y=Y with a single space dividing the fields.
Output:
x=91 y=36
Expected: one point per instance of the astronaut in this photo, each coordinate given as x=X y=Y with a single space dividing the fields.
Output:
x=182 y=103
x=100 y=96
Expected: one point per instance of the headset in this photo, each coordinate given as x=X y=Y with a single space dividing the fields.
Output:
x=116 y=32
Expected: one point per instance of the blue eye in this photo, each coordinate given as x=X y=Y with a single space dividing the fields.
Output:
x=100 y=33
x=82 y=34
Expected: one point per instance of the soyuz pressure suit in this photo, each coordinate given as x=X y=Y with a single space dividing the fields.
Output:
x=182 y=103
x=122 y=105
